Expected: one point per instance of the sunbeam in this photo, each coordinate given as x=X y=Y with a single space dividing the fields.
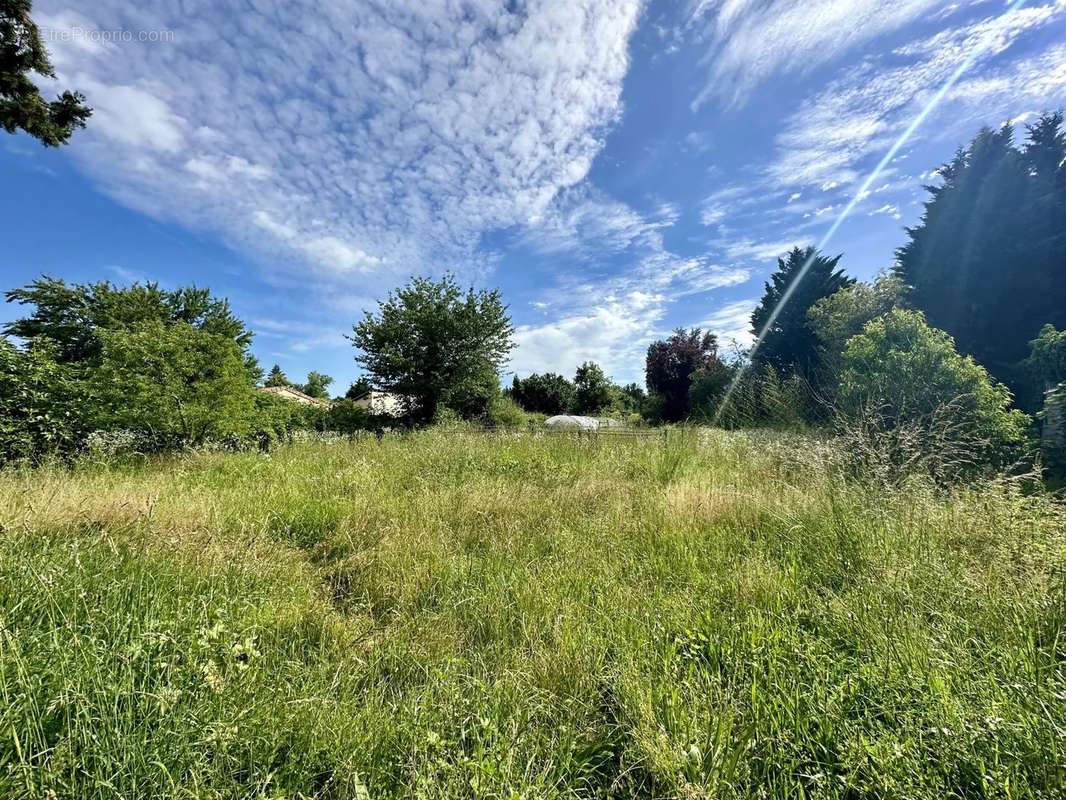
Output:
x=904 y=137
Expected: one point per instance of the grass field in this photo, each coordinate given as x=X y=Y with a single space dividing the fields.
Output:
x=458 y=615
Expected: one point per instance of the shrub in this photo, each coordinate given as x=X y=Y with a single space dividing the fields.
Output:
x=1053 y=443
x=763 y=399
x=43 y=403
x=905 y=382
x=548 y=393
x=708 y=389
x=174 y=384
x=275 y=419
x=344 y=416
x=843 y=314
x=505 y=412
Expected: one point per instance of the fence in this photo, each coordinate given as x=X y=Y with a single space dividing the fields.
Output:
x=604 y=431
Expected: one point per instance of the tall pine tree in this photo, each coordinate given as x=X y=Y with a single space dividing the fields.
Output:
x=791 y=345
x=987 y=263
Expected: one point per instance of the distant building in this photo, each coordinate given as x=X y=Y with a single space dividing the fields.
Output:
x=295 y=395
x=385 y=403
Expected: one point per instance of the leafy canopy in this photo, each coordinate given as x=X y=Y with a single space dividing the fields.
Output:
x=43 y=403
x=317 y=385
x=22 y=53
x=276 y=378
x=902 y=372
x=1047 y=358
x=843 y=314
x=670 y=365
x=437 y=345
x=75 y=317
x=549 y=393
x=176 y=384
x=592 y=389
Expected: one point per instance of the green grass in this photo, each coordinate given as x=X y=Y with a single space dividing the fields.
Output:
x=457 y=615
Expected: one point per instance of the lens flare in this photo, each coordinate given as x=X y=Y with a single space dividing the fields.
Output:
x=904 y=137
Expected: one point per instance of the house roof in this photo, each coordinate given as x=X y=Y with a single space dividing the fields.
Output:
x=294 y=393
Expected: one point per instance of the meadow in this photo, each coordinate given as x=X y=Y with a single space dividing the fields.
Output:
x=452 y=614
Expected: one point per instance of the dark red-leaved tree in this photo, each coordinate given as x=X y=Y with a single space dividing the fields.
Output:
x=671 y=363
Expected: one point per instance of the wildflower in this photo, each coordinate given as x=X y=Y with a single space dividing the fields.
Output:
x=212 y=677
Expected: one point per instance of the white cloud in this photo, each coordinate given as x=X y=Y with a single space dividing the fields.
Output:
x=586 y=223
x=615 y=334
x=891 y=209
x=712 y=213
x=832 y=138
x=126 y=275
x=385 y=139
x=613 y=319
x=749 y=41
x=747 y=249
x=731 y=323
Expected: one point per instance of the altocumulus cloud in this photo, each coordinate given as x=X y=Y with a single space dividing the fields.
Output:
x=349 y=138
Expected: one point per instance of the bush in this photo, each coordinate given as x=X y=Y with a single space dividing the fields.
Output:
x=43 y=403
x=904 y=383
x=505 y=412
x=707 y=391
x=1053 y=443
x=763 y=399
x=344 y=416
x=176 y=385
x=275 y=419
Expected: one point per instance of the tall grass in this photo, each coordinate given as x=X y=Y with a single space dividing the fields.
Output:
x=454 y=615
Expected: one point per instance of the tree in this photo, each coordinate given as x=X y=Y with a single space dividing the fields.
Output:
x=175 y=384
x=316 y=385
x=276 y=378
x=987 y=263
x=790 y=344
x=904 y=374
x=43 y=403
x=592 y=389
x=670 y=364
x=436 y=345
x=549 y=393
x=1047 y=359
x=633 y=397
x=21 y=106
x=359 y=389
x=75 y=317
x=843 y=314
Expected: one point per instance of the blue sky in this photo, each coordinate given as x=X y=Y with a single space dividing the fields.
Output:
x=617 y=168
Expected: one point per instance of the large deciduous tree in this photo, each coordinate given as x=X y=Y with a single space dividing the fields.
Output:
x=987 y=263
x=74 y=317
x=43 y=403
x=436 y=345
x=592 y=389
x=670 y=365
x=22 y=53
x=790 y=344
x=835 y=319
x=543 y=394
